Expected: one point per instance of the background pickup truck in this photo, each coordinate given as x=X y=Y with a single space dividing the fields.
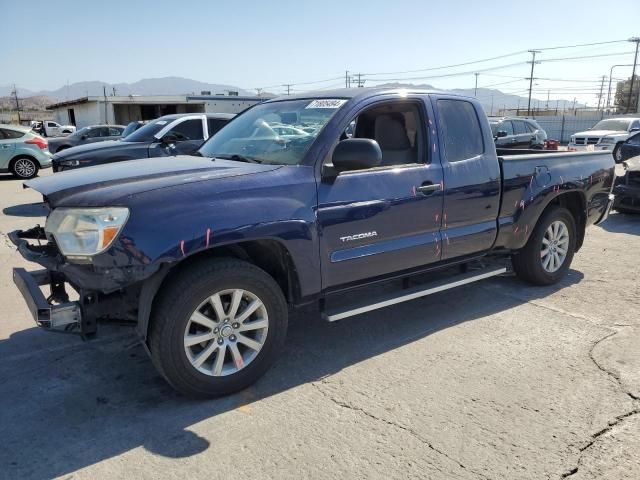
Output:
x=204 y=254
x=168 y=135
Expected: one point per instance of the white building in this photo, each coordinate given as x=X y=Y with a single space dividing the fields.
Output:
x=120 y=110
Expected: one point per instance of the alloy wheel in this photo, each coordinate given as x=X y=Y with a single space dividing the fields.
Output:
x=24 y=168
x=226 y=332
x=555 y=245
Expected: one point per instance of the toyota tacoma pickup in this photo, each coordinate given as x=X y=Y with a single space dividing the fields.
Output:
x=205 y=255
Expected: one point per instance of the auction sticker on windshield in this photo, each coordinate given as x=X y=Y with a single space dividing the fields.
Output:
x=327 y=103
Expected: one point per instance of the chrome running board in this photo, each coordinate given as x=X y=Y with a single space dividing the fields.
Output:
x=413 y=293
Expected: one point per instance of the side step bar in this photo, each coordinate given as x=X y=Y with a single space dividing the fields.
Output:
x=413 y=293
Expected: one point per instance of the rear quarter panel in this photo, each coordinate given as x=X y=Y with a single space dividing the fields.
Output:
x=532 y=182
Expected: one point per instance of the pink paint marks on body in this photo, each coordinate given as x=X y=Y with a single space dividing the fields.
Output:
x=208 y=236
x=182 y=247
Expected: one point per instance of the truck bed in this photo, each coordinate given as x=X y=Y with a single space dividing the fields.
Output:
x=532 y=181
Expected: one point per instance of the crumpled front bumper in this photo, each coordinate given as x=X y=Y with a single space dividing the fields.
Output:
x=63 y=317
x=55 y=312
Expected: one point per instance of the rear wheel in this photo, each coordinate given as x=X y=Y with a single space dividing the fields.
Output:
x=217 y=327
x=617 y=153
x=547 y=256
x=24 y=167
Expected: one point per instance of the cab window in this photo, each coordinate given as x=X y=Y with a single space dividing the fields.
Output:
x=461 y=130
x=396 y=127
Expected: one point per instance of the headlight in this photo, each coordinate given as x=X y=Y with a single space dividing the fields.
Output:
x=83 y=232
x=70 y=163
x=607 y=140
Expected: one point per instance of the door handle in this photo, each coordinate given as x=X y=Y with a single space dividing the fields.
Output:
x=428 y=188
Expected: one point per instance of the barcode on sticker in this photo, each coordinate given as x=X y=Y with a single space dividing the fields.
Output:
x=327 y=103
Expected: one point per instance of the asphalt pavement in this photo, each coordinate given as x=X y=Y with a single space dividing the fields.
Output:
x=494 y=380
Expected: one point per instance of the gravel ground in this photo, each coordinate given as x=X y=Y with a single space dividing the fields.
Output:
x=494 y=380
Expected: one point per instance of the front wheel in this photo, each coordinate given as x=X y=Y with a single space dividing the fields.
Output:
x=547 y=256
x=217 y=327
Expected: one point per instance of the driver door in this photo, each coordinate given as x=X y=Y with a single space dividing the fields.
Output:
x=377 y=221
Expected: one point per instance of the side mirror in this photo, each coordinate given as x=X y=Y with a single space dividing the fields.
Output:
x=501 y=133
x=356 y=154
x=169 y=139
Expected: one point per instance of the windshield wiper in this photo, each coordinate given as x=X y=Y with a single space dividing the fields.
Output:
x=238 y=158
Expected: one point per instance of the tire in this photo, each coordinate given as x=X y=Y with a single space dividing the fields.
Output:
x=24 y=167
x=617 y=154
x=188 y=296
x=528 y=262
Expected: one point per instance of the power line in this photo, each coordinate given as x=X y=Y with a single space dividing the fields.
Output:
x=582 y=45
x=585 y=56
x=447 y=66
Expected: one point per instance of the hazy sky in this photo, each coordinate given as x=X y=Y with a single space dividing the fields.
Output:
x=266 y=44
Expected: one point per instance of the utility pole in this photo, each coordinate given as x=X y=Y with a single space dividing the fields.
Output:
x=475 y=90
x=574 y=105
x=491 y=104
x=600 y=94
x=288 y=85
x=533 y=62
x=346 y=79
x=633 y=72
x=547 y=105
x=518 y=109
x=360 y=80
x=15 y=93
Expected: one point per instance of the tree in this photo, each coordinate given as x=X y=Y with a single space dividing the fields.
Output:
x=622 y=96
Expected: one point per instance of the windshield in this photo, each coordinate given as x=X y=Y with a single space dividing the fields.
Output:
x=619 y=125
x=146 y=133
x=274 y=132
x=129 y=129
x=494 y=128
x=82 y=131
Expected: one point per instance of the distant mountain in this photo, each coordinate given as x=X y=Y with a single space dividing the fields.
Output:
x=147 y=86
x=29 y=103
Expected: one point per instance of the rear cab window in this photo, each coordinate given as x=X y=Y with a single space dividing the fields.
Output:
x=461 y=130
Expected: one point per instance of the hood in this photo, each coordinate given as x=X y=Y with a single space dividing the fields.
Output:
x=81 y=150
x=108 y=185
x=598 y=133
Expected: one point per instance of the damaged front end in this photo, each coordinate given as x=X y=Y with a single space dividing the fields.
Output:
x=56 y=312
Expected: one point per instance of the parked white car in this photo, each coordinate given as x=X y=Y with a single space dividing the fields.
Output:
x=49 y=128
x=607 y=134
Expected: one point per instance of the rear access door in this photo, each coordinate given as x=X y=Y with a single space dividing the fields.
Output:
x=471 y=178
x=386 y=219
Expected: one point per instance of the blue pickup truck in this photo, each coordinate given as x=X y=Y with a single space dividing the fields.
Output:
x=205 y=254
